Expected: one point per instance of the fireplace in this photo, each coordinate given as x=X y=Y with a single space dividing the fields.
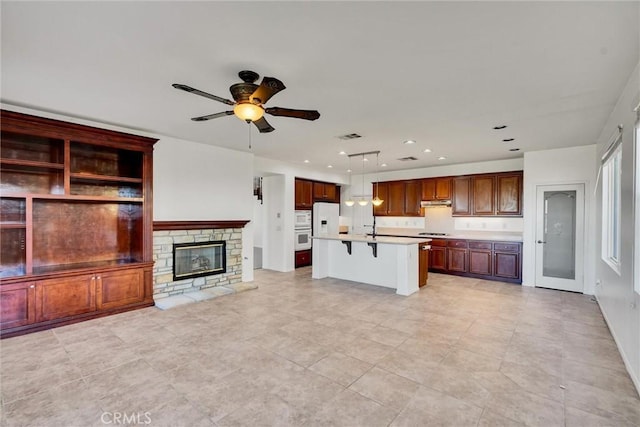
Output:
x=199 y=259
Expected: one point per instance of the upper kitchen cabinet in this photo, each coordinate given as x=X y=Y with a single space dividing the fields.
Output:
x=304 y=194
x=412 y=197
x=382 y=190
x=436 y=189
x=324 y=192
x=461 y=197
x=509 y=194
x=496 y=194
x=393 y=194
x=483 y=195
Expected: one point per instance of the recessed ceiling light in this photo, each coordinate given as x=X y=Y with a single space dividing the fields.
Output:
x=508 y=140
x=329 y=166
x=500 y=127
x=342 y=153
x=384 y=165
x=442 y=158
x=409 y=141
x=514 y=149
x=426 y=150
x=306 y=161
x=364 y=159
x=349 y=170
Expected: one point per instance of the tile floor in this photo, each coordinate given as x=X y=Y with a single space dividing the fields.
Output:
x=303 y=352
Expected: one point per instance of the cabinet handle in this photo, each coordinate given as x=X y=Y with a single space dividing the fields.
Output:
x=32 y=286
x=540 y=241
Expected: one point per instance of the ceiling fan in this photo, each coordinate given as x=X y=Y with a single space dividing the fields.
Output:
x=249 y=99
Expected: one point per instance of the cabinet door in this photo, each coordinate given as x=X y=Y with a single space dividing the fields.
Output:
x=17 y=305
x=382 y=190
x=507 y=265
x=480 y=262
x=66 y=296
x=119 y=288
x=412 y=196
x=303 y=194
x=396 y=198
x=318 y=191
x=461 y=196
x=429 y=189
x=457 y=260
x=443 y=188
x=509 y=194
x=303 y=258
x=483 y=195
x=438 y=258
x=330 y=192
x=423 y=264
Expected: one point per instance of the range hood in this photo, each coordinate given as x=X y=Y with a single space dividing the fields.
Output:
x=430 y=203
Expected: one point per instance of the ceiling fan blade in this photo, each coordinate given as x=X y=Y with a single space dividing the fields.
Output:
x=212 y=116
x=296 y=114
x=268 y=87
x=263 y=125
x=201 y=93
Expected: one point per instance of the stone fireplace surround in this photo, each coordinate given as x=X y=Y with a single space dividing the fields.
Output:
x=166 y=233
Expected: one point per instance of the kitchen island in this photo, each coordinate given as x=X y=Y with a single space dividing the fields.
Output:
x=392 y=262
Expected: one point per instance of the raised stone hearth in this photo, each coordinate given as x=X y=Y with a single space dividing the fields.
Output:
x=166 y=234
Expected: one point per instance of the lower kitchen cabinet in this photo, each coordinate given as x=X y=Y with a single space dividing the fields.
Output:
x=303 y=258
x=423 y=264
x=65 y=297
x=501 y=261
x=17 y=305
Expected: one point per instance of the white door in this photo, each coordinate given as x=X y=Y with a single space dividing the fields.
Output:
x=560 y=237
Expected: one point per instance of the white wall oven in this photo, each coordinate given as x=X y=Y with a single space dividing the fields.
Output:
x=302 y=230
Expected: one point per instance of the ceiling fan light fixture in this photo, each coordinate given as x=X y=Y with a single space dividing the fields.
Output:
x=248 y=112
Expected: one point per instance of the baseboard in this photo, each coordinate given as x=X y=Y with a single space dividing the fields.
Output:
x=625 y=359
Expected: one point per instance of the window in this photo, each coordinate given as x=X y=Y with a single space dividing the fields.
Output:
x=611 y=193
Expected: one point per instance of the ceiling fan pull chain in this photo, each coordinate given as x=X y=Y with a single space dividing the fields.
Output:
x=249 y=127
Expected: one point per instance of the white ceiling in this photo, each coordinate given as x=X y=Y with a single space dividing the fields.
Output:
x=440 y=73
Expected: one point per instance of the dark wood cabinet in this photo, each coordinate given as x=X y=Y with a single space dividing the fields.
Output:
x=382 y=190
x=75 y=205
x=303 y=194
x=461 y=196
x=509 y=194
x=119 y=288
x=303 y=258
x=436 y=188
x=395 y=198
x=324 y=192
x=412 y=197
x=423 y=264
x=483 y=195
x=480 y=258
x=438 y=255
x=483 y=259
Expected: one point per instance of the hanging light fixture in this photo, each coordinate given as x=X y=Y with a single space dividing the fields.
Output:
x=349 y=202
x=363 y=201
x=377 y=201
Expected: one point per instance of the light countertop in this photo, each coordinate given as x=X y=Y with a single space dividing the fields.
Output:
x=393 y=240
x=467 y=235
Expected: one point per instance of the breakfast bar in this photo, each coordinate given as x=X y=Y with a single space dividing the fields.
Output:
x=392 y=262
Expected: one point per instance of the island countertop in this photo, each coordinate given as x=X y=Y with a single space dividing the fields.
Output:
x=392 y=240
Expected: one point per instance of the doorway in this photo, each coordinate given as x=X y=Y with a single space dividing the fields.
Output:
x=560 y=237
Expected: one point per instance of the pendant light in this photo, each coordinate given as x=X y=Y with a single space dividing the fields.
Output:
x=363 y=201
x=377 y=201
x=349 y=202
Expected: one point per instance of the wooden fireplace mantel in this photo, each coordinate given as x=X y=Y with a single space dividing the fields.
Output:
x=198 y=225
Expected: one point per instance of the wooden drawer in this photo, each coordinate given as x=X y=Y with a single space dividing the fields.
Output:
x=438 y=242
x=303 y=258
x=480 y=245
x=506 y=247
x=457 y=244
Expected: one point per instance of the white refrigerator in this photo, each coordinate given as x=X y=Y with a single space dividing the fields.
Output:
x=326 y=218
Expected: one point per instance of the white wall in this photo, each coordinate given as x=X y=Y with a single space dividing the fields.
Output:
x=562 y=166
x=619 y=302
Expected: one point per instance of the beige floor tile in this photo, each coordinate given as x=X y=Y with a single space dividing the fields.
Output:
x=366 y=350
x=603 y=378
x=341 y=368
x=578 y=418
x=386 y=388
x=471 y=362
x=352 y=409
x=527 y=408
x=491 y=419
x=602 y=402
x=431 y=407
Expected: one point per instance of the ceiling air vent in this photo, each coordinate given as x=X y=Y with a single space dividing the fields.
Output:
x=406 y=159
x=349 y=136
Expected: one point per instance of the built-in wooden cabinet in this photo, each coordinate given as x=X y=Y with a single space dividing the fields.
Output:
x=423 y=264
x=324 y=192
x=461 y=196
x=303 y=258
x=483 y=195
x=483 y=259
x=303 y=194
x=382 y=190
x=75 y=208
x=412 y=197
x=436 y=189
x=509 y=194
